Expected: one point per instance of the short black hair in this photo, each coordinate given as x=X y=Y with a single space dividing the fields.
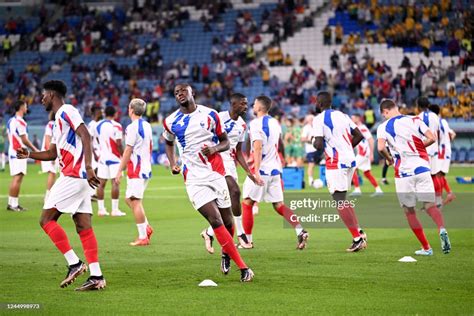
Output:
x=435 y=109
x=237 y=96
x=325 y=99
x=266 y=101
x=357 y=115
x=57 y=86
x=387 y=104
x=95 y=109
x=110 y=111
x=18 y=104
x=423 y=103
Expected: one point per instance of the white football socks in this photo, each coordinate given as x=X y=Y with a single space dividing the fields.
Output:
x=142 y=230
x=238 y=225
x=71 y=257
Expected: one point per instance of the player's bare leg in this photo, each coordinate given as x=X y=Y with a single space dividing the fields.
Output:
x=96 y=280
x=144 y=229
x=100 y=198
x=301 y=234
x=417 y=229
x=347 y=214
x=115 y=200
x=235 y=194
x=48 y=221
x=221 y=221
x=14 y=191
x=445 y=186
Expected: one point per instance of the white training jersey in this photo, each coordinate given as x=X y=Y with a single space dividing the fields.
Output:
x=307 y=132
x=267 y=130
x=444 y=151
x=68 y=144
x=139 y=136
x=335 y=127
x=432 y=121
x=235 y=133
x=404 y=135
x=48 y=131
x=363 y=148
x=92 y=127
x=16 y=127
x=193 y=132
x=109 y=132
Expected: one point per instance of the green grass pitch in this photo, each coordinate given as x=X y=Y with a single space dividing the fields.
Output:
x=163 y=278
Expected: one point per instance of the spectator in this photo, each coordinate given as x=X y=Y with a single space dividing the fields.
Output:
x=288 y=61
x=327 y=35
x=195 y=72
x=339 y=33
x=265 y=76
x=303 y=61
x=205 y=73
x=7 y=46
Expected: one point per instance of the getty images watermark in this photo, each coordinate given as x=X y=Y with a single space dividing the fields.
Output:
x=317 y=211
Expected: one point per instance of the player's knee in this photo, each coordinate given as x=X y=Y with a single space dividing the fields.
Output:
x=43 y=221
x=215 y=221
x=277 y=205
x=235 y=193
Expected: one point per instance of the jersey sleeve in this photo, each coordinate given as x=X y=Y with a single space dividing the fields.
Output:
x=317 y=127
x=49 y=129
x=216 y=123
x=365 y=132
x=242 y=136
x=118 y=131
x=167 y=133
x=381 y=132
x=130 y=135
x=73 y=118
x=21 y=128
x=422 y=127
x=256 y=133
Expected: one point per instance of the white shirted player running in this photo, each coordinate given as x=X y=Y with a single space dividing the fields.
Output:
x=97 y=115
x=137 y=158
x=71 y=144
x=306 y=138
x=17 y=138
x=109 y=137
x=336 y=134
x=265 y=138
x=235 y=127
x=404 y=135
x=49 y=167
x=201 y=138
x=364 y=158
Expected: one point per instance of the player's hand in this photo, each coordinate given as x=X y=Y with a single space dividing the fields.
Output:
x=208 y=151
x=22 y=153
x=118 y=177
x=175 y=170
x=389 y=162
x=254 y=179
x=258 y=180
x=91 y=178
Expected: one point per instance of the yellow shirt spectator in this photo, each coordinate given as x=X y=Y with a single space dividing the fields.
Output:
x=434 y=11
x=409 y=23
x=444 y=21
x=426 y=13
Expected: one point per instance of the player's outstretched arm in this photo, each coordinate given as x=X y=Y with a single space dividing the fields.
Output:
x=170 y=153
x=430 y=138
x=27 y=142
x=357 y=137
x=46 y=155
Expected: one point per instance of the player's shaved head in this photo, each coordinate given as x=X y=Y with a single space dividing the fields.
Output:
x=238 y=104
x=435 y=109
x=183 y=94
x=56 y=86
x=237 y=97
x=110 y=111
x=138 y=106
x=324 y=100
x=387 y=104
x=423 y=103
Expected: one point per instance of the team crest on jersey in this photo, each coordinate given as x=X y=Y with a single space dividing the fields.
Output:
x=202 y=124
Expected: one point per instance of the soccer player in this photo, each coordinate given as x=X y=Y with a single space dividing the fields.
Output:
x=404 y=135
x=137 y=158
x=446 y=135
x=97 y=115
x=364 y=158
x=306 y=136
x=17 y=138
x=235 y=127
x=337 y=135
x=49 y=167
x=265 y=136
x=432 y=121
x=109 y=137
x=201 y=138
x=71 y=144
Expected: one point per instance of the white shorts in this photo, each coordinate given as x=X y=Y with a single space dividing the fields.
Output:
x=202 y=193
x=107 y=171
x=434 y=165
x=444 y=165
x=136 y=188
x=50 y=166
x=231 y=169
x=415 y=188
x=69 y=195
x=363 y=163
x=17 y=166
x=339 y=179
x=271 y=191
